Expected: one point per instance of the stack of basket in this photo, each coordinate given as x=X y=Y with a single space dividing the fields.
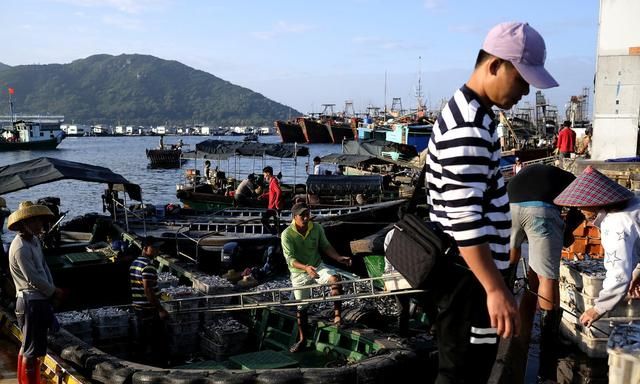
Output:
x=111 y=330
x=223 y=337
x=211 y=285
x=624 y=354
x=580 y=285
x=587 y=243
x=184 y=319
x=78 y=323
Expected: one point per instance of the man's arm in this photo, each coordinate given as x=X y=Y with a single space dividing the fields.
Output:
x=500 y=302
x=25 y=261
x=150 y=294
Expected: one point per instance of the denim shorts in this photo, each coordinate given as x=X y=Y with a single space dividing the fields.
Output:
x=301 y=279
x=543 y=227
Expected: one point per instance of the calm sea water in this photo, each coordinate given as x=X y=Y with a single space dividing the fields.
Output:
x=126 y=156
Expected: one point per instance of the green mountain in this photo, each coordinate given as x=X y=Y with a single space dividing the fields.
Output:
x=136 y=89
x=4 y=66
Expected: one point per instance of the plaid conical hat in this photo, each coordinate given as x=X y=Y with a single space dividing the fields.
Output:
x=25 y=211
x=593 y=189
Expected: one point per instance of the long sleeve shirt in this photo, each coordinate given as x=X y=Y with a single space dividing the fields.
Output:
x=29 y=269
x=620 y=236
x=567 y=140
x=466 y=191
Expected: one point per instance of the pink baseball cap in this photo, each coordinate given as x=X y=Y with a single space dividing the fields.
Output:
x=523 y=46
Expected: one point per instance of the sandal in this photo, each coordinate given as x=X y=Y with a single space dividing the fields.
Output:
x=298 y=346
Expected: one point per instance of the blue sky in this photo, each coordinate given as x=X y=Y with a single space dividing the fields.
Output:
x=305 y=53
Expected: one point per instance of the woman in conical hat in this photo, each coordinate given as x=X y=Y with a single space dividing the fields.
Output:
x=34 y=287
x=616 y=211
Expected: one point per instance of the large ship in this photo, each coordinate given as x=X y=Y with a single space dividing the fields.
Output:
x=290 y=132
x=316 y=132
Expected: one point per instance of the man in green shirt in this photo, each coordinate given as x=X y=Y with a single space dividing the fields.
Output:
x=302 y=242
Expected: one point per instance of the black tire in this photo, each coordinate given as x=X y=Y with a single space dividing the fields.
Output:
x=231 y=377
x=279 y=376
x=111 y=372
x=377 y=369
x=339 y=375
x=149 y=377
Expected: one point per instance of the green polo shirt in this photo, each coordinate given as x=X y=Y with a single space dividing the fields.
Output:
x=303 y=247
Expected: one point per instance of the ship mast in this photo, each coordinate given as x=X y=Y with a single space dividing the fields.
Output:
x=11 y=105
x=419 y=94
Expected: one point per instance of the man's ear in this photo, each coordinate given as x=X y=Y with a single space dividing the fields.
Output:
x=494 y=64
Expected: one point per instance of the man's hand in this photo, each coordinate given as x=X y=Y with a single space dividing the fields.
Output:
x=634 y=287
x=503 y=313
x=311 y=271
x=589 y=316
x=346 y=260
x=163 y=314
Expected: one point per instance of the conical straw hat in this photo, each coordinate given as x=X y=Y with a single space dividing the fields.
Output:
x=593 y=189
x=27 y=210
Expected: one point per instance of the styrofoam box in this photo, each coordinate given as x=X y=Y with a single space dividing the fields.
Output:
x=578 y=302
x=624 y=367
x=595 y=347
x=584 y=283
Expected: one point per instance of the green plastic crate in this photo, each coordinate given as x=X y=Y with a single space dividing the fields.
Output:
x=84 y=257
x=208 y=364
x=266 y=359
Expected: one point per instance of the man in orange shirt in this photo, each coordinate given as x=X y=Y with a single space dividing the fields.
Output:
x=566 y=142
x=275 y=201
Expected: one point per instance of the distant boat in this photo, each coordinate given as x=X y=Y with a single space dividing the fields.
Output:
x=31 y=135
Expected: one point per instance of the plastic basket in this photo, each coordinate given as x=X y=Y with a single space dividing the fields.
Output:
x=183 y=327
x=119 y=319
x=589 y=285
x=577 y=302
x=219 y=351
x=109 y=332
x=592 y=346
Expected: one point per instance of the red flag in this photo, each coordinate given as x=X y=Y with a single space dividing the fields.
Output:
x=11 y=91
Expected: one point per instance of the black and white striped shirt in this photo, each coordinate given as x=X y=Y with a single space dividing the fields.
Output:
x=467 y=194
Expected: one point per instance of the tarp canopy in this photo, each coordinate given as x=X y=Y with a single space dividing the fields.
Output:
x=373 y=147
x=334 y=184
x=224 y=149
x=43 y=170
x=353 y=160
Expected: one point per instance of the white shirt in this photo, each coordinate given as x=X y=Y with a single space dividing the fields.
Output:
x=620 y=235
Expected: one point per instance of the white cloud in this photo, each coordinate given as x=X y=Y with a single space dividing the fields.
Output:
x=126 y=6
x=282 y=28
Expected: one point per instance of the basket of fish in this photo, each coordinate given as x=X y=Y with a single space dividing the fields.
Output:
x=109 y=317
x=594 y=346
x=577 y=302
x=585 y=275
x=213 y=285
x=75 y=321
x=167 y=279
x=624 y=354
x=226 y=331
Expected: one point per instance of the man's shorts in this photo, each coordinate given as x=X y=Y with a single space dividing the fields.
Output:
x=302 y=279
x=34 y=318
x=543 y=227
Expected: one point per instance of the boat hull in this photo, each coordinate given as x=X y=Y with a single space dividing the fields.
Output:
x=341 y=132
x=164 y=158
x=290 y=132
x=315 y=132
x=42 y=145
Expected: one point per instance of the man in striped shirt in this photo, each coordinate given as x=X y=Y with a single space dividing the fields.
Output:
x=467 y=195
x=151 y=316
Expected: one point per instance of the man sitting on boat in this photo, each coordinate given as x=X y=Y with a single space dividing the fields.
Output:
x=323 y=169
x=302 y=242
x=246 y=191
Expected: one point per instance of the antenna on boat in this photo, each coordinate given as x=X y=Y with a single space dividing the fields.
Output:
x=11 y=92
x=419 y=94
x=385 y=95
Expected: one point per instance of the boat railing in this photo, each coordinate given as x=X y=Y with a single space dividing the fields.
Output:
x=353 y=286
x=507 y=170
x=121 y=206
